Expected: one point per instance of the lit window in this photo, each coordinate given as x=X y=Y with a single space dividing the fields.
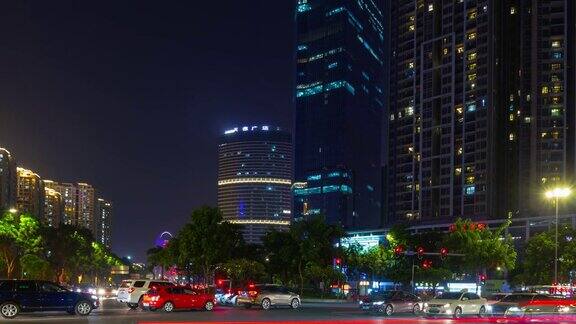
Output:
x=445 y=51
x=471 y=36
x=545 y=90
x=555 y=112
x=512 y=10
x=527 y=120
x=472 y=66
x=471 y=108
x=431 y=7
x=543 y=134
x=459 y=151
x=460 y=49
x=556 y=66
x=472 y=56
x=391 y=116
x=470 y=190
x=472 y=15
x=459 y=110
x=555 y=43
x=511 y=136
x=472 y=77
x=409 y=111
x=511 y=117
x=411 y=65
x=557 y=88
x=458 y=171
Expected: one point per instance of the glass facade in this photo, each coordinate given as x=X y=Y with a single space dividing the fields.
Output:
x=254 y=179
x=339 y=104
x=7 y=180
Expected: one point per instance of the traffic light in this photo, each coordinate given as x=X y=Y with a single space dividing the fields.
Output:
x=482 y=279
x=443 y=253
x=337 y=262
x=420 y=252
x=426 y=264
x=399 y=249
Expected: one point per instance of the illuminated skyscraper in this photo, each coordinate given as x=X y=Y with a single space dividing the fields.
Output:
x=339 y=104
x=8 y=180
x=30 y=194
x=103 y=222
x=69 y=193
x=254 y=179
x=86 y=203
x=53 y=207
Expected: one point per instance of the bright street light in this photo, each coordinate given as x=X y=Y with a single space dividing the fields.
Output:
x=557 y=193
x=12 y=210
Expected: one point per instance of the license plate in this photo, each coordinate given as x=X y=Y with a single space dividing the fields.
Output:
x=366 y=307
x=432 y=310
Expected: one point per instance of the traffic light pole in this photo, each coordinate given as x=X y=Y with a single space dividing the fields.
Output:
x=412 y=254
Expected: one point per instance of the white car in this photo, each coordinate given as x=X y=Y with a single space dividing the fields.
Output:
x=131 y=291
x=456 y=304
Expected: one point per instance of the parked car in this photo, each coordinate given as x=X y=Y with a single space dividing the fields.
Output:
x=18 y=296
x=391 y=301
x=267 y=296
x=456 y=304
x=171 y=298
x=131 y=291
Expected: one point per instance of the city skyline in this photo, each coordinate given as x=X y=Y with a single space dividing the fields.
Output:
x=131 y=98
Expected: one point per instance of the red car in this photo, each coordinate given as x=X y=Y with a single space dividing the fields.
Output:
x=171 y=298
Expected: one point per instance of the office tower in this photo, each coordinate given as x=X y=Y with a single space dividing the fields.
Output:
x=53 y=207
x=339 y=104
x=254 y=179
x=454 y=110
x=85 y=206
x=103 y=222
x=30 y=193
x=7 y=181
x=69 y=193
x=547 y=124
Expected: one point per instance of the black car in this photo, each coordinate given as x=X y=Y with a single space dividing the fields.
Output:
x=33 y=295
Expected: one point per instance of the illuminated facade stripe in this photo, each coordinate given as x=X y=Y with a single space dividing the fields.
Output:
x=259 y=222
x=254 y=180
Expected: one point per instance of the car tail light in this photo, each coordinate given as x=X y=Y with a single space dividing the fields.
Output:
x=253 y=293
x=131 y=290
x=155 y=298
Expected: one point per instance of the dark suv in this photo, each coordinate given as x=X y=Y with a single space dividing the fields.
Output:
x=32 y=295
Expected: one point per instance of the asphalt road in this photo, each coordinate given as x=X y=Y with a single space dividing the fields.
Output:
x=112 y=312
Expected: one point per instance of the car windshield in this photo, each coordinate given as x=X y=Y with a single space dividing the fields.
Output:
x=516 y=298
x=382 y=294
x=449 y=295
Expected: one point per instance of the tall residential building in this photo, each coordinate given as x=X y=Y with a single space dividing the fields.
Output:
x=103 y=222
x=478 y=96
x=339 y=104
x=547 y=123
x=69 y=193
x=254 y=179
x=86 y=203
x=53 y=207
x=8 y=180
x=30 y=193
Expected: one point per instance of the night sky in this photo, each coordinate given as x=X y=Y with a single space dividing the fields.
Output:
x=130 y=96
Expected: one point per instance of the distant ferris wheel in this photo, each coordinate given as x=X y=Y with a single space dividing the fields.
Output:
x=163 y=239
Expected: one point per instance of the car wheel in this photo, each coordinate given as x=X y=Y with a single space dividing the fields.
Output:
x=458 y=312
x=482 y=311
x=388 y=310
x=247 y=306
x=209 y=306
x=295 y=303
x=416 y=309
x=132 y=305
x=83 y=308
x=266 y=304
x=9 y=310
x=168 y=307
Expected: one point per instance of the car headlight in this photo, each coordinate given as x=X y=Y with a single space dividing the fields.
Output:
x=514 y=309
x=101 y=291
x=360 y=302
x=379 y=303
x=446 y=305
x=425 y=304
x=94 y=297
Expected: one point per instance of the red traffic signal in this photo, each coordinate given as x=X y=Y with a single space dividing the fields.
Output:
x=426 y=264
x=443 y=252
x=399 y=249
x=420 y=251
x=220 y=282
x=482 y=279
x=338 y=261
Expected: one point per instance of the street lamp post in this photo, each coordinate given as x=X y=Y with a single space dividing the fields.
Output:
x=556 y=194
